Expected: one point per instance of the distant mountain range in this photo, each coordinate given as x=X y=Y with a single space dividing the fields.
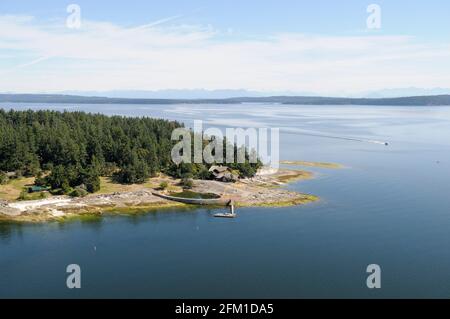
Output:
x=410 y=91
x=433 y=100
x=230 y=93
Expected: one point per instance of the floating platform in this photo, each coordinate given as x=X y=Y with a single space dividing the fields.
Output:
x=230 y=214
x=225 y=215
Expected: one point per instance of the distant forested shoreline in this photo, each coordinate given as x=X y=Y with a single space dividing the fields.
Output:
x=434 y=100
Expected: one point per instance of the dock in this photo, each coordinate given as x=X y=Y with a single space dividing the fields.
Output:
x=230 y=214
x=225 y=215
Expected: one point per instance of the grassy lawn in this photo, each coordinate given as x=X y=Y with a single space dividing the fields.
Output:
x=107 y=186
x=11 y=191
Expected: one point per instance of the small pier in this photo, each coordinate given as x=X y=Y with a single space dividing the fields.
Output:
x=212 y=202
x=230 y=214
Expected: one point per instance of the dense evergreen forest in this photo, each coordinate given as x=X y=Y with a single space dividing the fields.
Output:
x=66 y=150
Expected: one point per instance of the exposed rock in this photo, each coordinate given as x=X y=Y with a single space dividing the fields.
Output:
x=258 y=191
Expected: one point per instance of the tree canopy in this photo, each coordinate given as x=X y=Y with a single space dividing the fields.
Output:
x=75 y=148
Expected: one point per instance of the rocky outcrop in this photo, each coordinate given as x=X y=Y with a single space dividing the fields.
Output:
x=8 y=211
x=262 y=190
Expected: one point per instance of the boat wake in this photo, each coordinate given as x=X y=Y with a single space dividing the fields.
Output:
x=325 y=135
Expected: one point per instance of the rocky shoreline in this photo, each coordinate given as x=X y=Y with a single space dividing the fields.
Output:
x=262 y=190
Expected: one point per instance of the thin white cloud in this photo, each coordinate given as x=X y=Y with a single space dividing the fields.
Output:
x=103 y=56
x=44 y=58
x=156 y=23
x=33 y=62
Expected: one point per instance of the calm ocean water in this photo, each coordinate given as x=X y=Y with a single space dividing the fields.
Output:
x=389 y=206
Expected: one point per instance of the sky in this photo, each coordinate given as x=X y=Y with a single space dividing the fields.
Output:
x=319 y=47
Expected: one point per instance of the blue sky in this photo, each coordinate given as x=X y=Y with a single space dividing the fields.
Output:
x=419 y=18
x=314 y=46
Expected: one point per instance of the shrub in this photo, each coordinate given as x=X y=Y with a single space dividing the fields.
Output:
x=187 y=183
x=3 y=178
x=78 y=192
x=205 y=174
x=93 y=184
x=42 y=195
x=66 y=189
x=57 y=192
x=23 y=194
x=163 y=185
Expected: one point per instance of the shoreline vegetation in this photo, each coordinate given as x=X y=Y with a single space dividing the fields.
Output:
x=263 y=190
x=55 y=165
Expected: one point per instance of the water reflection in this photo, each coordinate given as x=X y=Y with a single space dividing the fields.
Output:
x=10 y=229
x=96 y=222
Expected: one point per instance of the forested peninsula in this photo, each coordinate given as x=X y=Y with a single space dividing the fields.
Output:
x=68 y=152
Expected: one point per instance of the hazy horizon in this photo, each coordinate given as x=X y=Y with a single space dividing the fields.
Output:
x=230 y=93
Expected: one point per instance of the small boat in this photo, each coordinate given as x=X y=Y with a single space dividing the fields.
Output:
x=230 y=214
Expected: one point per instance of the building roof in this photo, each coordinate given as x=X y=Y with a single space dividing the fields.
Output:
x=223 y=173
x=218 y=169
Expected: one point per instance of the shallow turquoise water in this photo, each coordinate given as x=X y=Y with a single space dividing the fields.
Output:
x=389 y=206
